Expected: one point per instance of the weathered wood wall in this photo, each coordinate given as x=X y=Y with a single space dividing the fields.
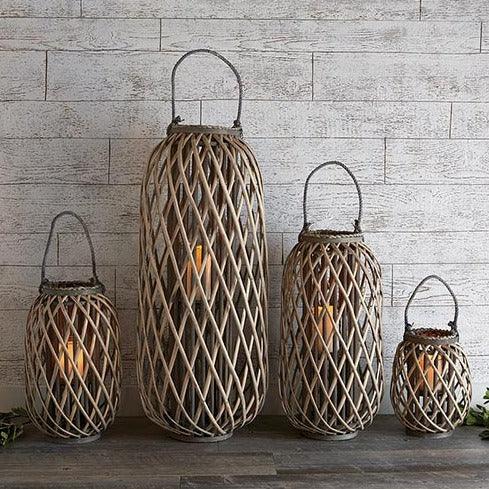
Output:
x=397 y=89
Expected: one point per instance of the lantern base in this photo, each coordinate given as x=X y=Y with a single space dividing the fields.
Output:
x=343 y=437
x=76 y=441
x=422 y=434
x=200 y=439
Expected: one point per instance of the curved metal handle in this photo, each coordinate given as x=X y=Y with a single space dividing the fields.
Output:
x=357 y=222
x=176 y=119
x=452 y=324
x=50 y=237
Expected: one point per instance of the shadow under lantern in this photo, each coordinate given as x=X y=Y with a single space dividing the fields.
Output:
x=331 y=370
x=431 y=387
x=72 y=355
x=202 y=348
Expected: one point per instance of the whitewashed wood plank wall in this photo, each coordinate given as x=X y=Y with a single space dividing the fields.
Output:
x=397 y=89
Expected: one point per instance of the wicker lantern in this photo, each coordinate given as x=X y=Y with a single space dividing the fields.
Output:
x=72 y=357
x=202 y=356
x=430 y=388
x=331 y=371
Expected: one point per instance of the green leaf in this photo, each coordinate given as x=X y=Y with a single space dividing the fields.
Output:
x=484 y=435
x=12 y=425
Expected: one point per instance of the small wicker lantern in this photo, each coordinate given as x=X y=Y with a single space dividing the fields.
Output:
x=430 y=388
x=72 y=357
x=202 y=356
x=331 y=372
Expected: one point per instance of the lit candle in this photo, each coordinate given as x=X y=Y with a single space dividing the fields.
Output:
x=430 y=365
x=324 y=323
x=78 y=360
x=207 y=272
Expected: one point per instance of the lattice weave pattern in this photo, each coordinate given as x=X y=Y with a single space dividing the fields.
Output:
x=431 y=387
x=202 y=367
x=331 y=370
x=72 y=364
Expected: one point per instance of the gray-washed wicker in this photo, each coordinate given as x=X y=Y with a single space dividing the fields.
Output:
x=72 y=355
x=331 y=371
x=202 y=355
x=431 y=387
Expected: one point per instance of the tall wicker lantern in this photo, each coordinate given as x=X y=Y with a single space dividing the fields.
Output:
x=202 y=356
x=331 y=371
x=72 y=356
x=431 y=387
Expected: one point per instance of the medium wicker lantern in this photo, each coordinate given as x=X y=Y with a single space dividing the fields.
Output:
x=72 y=357
x=431 y=387
x=331 y=371
x=202 y=356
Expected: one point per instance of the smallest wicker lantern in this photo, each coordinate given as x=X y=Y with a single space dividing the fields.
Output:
x=72 y=356
x=430 y=388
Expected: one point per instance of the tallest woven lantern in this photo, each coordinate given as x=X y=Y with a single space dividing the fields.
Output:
x=202 y=353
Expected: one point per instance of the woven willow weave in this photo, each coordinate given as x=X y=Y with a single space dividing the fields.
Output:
x=431 y=387
x=202 y=356
x=331 y=371
x=72 y=357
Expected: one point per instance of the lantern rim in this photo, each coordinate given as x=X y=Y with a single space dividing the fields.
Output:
x=330 y=236
x=204 y=129
x=64 y=288
x=431 y=336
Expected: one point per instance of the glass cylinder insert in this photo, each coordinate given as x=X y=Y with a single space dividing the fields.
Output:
x=202 y=356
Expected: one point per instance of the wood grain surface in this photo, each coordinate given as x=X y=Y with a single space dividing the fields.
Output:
x=269 y=454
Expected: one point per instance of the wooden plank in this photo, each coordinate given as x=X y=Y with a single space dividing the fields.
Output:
x=468 y=281
x=40 y=8
x=335 y=119
x=129 y=158
x=387 y=208
x=75 y=34
x=22 y=76
x=449 y=478
x=46 y=161
x=454 y=10
x=128 y=320
x=314 y=35
x=274 y=241
x=419 y=247
x=307 y=9
x=19 y=285
x=406 y=460
x=470 y=120
x=281 y=160
x=78 y=120
x=12 y=374
x=385 y=433
x=105 y=208
x=134 y=464
x=12 y=331
x=437 y=161
x=448 y=77
x=127 y=287
x=110 y=249
x=114 y=76
x=24 y=249
x=289 y=161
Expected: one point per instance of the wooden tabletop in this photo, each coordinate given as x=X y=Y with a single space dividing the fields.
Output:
x=269 y=454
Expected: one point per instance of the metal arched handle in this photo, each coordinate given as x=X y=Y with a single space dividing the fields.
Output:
x=50 y=237
x=451 y=324
x=176 y=119
x=357 y=222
